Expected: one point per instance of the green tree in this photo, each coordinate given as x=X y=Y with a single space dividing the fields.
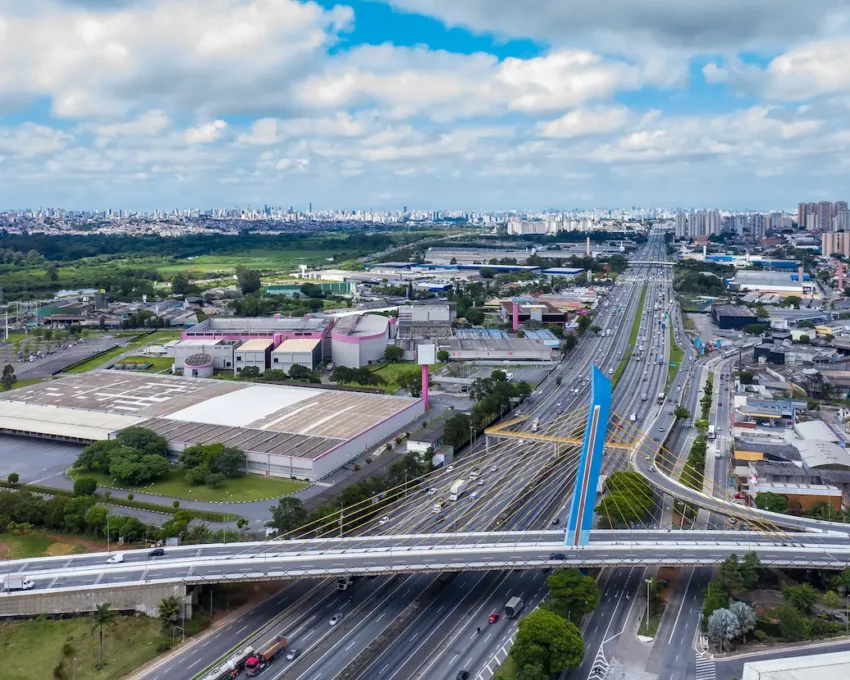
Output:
x=729 y=576
x=793 y=626
x=250 y=372
x=772 y=502
x=571 y=594
x=144 y=441
x=761 y=312
x=8 y=379
x=793 y=301
x=169 y=610
x=745 y=377
x=13 y=478
x=288 y=515
x=595 y=329
x=410 y=381
x=393 y=354
x=533 y=671
x=85 y=486
x=750 y=570
x=723 y=627
x=456 y=430
x=249 y=280
x=803 y=597
x=442 y=356
x=569 y=343
x=546 y=639
x=52 y=271
x=95 y=519
x=475 y=316
x=103 y=616
x=754 y=328
x=746 y=617
x=584 y=322
x=180 y=284
x=832 y=600
x=681 y=413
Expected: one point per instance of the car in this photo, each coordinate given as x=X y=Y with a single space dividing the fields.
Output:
x=648 y=457
x=494 y=616
x=558 y=556
x=462 y=675
x=450 y=468
x=157 y=552
x=439 y=519
x=432 y=492
x=558 y=404
x=493 y=468
x=556 y=521
x=293 y=654
x=480 y=482
x=117 y=558
x=335 y=619
x=385 y=519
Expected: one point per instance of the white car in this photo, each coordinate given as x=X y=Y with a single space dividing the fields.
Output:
x=335 y=619
x=480 y=482
x=493 y=468
x=385 y=519
x=450 y=468
x=117 y=558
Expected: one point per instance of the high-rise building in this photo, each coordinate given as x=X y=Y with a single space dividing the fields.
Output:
x=835 y=242
x=801 y=214
x=681 y=224
x=825 y=216
x=841 y=221
x=757 y=226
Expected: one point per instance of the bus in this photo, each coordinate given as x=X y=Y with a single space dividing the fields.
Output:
x=711 y=432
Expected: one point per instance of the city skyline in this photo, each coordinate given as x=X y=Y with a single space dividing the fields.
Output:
x=376 y=104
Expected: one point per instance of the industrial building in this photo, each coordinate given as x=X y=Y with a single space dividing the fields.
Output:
x=221 y=352
x=510 y=349
x=297 y=432
x=292 y=288
x=476 y=256
x=771 y=282
x=360 y=340
x=276 y=329
x=531 y=310
x=289 y=353
x=730 y=317
x=255 y=353
x=830 y=666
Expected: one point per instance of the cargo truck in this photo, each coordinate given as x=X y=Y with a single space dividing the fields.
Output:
x=456 y=490
x=17 y=582
x=345 y=582
x=514 y=607
x=263 y=658
x=230 y=668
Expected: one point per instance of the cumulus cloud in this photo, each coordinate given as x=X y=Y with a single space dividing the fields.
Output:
x=207 y=132
x=582 y=122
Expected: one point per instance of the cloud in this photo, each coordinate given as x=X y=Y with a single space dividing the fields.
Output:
x=208 y=132
x=806 y=72
x=582 y=122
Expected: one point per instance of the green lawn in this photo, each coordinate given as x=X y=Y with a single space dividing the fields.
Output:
x=30 y=650
x=507 y=671
x=160 y=364
x=677 y=354
x=627 y=355
x=245 y=488
x=26 y=382
x=155 y=338
x=282 y=260
x=13 y=546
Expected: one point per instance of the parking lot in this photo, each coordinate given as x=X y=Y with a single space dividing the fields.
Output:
x=36 y=460
x=57 y=359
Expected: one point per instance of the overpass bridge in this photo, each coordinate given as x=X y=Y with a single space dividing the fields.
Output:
x=654 y=263
x=814 y=544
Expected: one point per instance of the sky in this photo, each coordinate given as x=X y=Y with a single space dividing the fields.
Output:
x=432 y=104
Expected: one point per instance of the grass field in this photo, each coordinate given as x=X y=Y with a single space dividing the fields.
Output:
x=155 y=338
x=26 y=382
x=245 y=488
x=252 y=259
x=29 y=650
x=160 y=364
x=676 y=356
x=13 y=546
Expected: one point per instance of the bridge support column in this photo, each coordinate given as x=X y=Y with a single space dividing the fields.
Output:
x=580 y=519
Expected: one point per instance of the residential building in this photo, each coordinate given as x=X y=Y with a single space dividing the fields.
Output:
x=836 y=242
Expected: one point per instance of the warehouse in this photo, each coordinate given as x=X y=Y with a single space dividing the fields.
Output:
x=289 y=353
x=284 y=431
x=511 y=349
x=221 y=352
x=255 y=353
x=360 y=340
x=266 y=328
x=730 y=317
x=293 y=288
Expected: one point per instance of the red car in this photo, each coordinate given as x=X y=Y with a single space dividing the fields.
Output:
x=494 y=617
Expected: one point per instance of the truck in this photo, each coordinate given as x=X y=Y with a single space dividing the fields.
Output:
x=263 y=658
x=535 y=424
x=17 y=582
x=711 y=432
x=456 y=490
x=232 y=667
x=345 y=582
x=514 y=607
x=661 y=397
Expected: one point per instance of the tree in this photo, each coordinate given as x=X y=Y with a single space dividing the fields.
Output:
x=475 y=316
x=804 y=340
x=52 y=271
x=754 y=328
x=103 y=616
x=571 y=594
x=745 y=615
x=681 y=413
x=288 y=515
x=169 y=610
x=723 y=627
x=793 y=626
x=761 y=312
x=793 y=301
x=803 y=597
x=8 y=378
x=746 y=377
x=442 y=356
x=144 y=441
x=772 y=502
x=299 y=372
x=251 y=372
x=584 y=322
x=569 y=342
x=832 y=600
x=249 y=280
x=456 y=430
x=180 y=284
x=595 y=329
x=410 y=381
x=750 y=570
x=486 y=272
x=533 y=671
x=546 y=639
x=13 y=478
x=95 y=518
x=393 y=354
x=85 y=486
x=729 y=576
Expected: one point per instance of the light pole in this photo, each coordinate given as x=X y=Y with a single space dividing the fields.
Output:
x=74 y=668
x=182 y=630
x=648 y=581
x=107 y=533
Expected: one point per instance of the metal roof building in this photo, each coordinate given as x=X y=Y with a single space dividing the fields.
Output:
x=284 y=431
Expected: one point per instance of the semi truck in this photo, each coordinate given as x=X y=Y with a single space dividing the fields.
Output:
x=17 y=582
x=263 y=658
x=456 y=490
x=230 y=668
x=514 y=607
x=345 y=582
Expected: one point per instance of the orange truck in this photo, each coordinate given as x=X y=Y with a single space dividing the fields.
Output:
x=264 y=657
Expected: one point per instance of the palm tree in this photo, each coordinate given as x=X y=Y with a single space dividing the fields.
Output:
x=170 y=610
x=103 y=616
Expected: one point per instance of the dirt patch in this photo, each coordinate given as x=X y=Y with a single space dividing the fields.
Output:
x=55 y=549
x=5 y=548
x=74 y=542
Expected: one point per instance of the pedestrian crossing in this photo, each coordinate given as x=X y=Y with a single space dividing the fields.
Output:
x=705 y=668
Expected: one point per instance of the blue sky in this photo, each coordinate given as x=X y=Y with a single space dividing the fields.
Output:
x=433 y=104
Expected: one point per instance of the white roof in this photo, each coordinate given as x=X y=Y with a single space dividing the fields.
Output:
x=817 y=453
x=60 y=421
x=832 y=666
x=816 y=430
x=297 y=346
x=240 y=408
x=255 y=345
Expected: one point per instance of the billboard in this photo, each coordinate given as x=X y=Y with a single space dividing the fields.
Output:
x=426 y=354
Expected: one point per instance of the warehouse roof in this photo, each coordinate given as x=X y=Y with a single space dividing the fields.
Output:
x=297 y=346
x=255 y=345
x=59 y=421
x=732 y=310
x=831 y=666
x=817 y=454
x=816 y=430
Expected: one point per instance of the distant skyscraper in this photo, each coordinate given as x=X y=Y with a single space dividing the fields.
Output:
x=757 y=226
x=842 y=221
x=681 y=224
x=801 y=214
x=825 y=216
x=832 y=242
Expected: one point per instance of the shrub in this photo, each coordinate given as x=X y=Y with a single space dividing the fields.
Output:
x=215 y=480
x=85 y=486
x=67 y=649
x=163 y=644
x=130 y=496
x=356 y=467
x=176 y=504
x=368 y=461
